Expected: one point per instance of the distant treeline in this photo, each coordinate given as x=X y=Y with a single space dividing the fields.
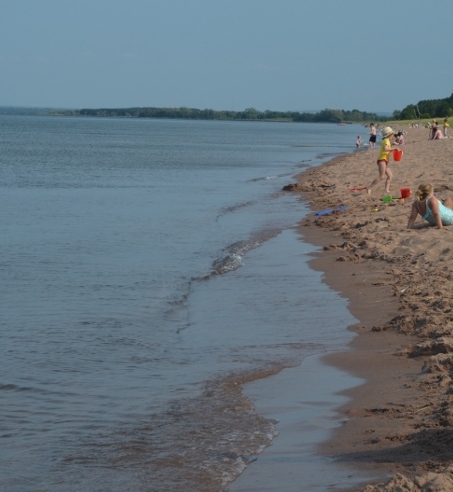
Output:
x=326 y=115
x=430 y=108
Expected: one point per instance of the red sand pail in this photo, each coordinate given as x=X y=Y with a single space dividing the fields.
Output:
x=405 y=192
x=397 y=154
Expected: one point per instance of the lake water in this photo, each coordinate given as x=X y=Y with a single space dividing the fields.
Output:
x=148 y=269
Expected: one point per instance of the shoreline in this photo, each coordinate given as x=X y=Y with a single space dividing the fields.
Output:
x=303 y=400
x=398 y=283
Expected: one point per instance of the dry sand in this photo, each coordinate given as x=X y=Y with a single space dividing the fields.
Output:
x=399 y=284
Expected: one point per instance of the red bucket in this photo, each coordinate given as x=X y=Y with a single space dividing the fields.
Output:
x=397 y=154
x=405 y=192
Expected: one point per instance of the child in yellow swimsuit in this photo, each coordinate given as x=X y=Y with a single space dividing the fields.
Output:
x=383 y=160
x=446 y=126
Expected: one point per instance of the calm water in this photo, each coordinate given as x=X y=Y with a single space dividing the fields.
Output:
x=147 y=268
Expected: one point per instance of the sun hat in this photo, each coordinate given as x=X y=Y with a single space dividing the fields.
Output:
x=387 y=131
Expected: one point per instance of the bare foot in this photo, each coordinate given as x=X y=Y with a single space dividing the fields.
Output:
x=368 y=190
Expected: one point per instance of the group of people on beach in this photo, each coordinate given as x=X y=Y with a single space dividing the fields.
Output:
x=436 y=212
x=372 y=139
x=399 y=138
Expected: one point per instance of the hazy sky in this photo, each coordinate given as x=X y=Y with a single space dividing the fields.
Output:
x=225 y=54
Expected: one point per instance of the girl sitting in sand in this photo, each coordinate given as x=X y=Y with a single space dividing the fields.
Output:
x=383 y=160
x=438 y=135
x=399 y=138
x=430 y=208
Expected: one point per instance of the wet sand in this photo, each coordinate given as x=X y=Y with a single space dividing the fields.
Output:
x=303 y=399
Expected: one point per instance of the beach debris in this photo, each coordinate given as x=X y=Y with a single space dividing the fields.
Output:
x=422 y=408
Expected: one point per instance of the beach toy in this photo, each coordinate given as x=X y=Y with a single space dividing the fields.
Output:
x=357 y=188
x=405 y=192
x=397 y=154
x=387 y=198
x=331 y=210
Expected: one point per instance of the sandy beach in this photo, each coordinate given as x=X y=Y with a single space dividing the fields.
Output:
x=399 y=424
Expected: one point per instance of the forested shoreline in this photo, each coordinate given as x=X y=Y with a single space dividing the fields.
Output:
x=426 y=109
x=432 y=108
x=249 y=114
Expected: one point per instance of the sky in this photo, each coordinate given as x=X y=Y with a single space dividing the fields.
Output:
x=281 y=55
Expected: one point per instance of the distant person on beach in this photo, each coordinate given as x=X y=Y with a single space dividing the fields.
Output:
x=430 y=208
x=437 y=134
x=445 y=126
x=399 y=138
x=372 y=134
x=433 y=130
x=383 y=160
x=358 y=142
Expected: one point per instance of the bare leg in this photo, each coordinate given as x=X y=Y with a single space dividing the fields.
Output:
x=382 y=174
x=389 y=175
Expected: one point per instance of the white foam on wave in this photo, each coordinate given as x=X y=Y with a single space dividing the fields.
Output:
x=227 y=264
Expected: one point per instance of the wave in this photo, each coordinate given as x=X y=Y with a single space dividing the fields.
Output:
x=263 y=178
x=233 y=208
x=196 y=443
x=235 y=252
x=267 y=178
x=228 y=263
x=176 y=311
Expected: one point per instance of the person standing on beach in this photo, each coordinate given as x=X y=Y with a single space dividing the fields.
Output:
x=358 y=142
x=445 y=125
x=383 y=160
x=372 y=134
